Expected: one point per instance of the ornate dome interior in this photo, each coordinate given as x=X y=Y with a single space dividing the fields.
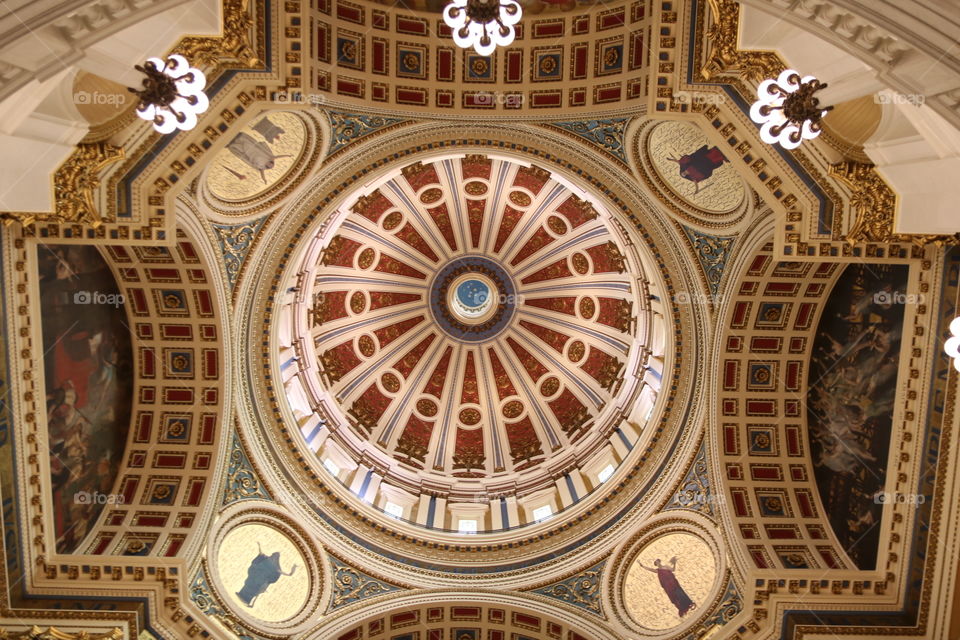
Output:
x=405 y=342
x=472 y=318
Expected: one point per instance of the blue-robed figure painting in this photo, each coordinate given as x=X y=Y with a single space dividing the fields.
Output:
x=264 y=571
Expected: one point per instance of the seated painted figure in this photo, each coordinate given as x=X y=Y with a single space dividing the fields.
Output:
x=264 y=571
x=699 y=165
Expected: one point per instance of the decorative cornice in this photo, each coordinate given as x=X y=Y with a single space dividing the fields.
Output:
x=74 y=184
x=874 y=203
x=234 y=47
x=52 y=633
x=726 y=56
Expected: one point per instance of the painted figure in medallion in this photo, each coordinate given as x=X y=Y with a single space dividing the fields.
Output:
x=671 y=586
x=256 y=154
x=264 y=570
x=699 y=165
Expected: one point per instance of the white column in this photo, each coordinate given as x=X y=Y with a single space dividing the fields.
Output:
x=563 y=492
x=423 y=510
x=513 y=513
x=496 y=514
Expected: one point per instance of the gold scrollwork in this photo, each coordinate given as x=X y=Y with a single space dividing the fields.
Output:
x=235 y=43
x=73 y=186
x=874 y=203
x=52 y=633
x=725 y=55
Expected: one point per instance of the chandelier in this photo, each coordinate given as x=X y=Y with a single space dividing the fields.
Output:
x=787 y=109
x=952 y=345
x=172 y=95
x=482 y=24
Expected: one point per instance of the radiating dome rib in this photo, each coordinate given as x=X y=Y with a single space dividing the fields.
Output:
x=444 y=394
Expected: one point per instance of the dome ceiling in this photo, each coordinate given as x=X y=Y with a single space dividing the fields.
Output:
x=472 y=318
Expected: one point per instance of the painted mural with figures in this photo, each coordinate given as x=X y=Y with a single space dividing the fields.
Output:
x=693 y=168
x=853 y=377
x=669 y=580
x=258 y=157
x=88 y=378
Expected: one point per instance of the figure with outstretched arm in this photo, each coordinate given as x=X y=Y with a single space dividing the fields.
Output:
x=264 y=570
x=670 y=585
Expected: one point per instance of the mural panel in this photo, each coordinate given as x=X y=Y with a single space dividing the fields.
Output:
x=264 y=573
x=258 y=157
x=693 y=168
x=88 y=373
x=853 y=377
x=669 y=580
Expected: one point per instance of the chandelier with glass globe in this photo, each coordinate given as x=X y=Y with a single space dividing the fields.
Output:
x=788 y=110
x=482 y=24
x=172 y=95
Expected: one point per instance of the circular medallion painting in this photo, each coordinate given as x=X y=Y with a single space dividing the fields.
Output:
x=669 y=581
x=258 y=157
x=263 y=573
x=693 y=168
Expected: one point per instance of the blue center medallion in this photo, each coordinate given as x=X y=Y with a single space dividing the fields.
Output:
x=473 y=293
x=472 y=298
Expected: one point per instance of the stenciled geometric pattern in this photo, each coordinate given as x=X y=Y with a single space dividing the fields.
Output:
x=712 y=253
x=242 y=482
x=581 y=590
x=606 y=134
x=694 y=492
x=730 y=605
x=347 y=128
x=459 y=399
x=235 y=241
x=205 y=601
x=201 y=596
x=351 y=585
